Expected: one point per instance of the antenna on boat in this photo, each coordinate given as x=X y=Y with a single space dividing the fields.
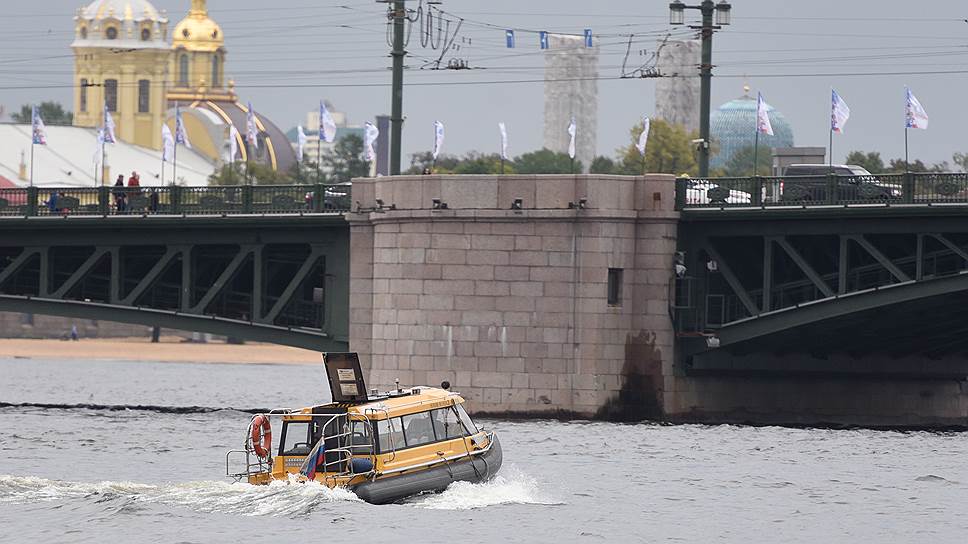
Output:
x=397 y=381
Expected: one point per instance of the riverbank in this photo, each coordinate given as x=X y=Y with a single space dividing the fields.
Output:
x=169 y=349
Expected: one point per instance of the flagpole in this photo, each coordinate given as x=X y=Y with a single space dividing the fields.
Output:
x=319 y=148
x=830 y=152
x=756 y=148
x=102 y=162
x=174 y=161
x=32 y=161
x=907 y=165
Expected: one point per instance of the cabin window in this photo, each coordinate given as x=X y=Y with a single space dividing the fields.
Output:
x=419 y=429
x=466 y=419
x=390 y=432
x=295 y=438
x=447 y=424
x=360 y=438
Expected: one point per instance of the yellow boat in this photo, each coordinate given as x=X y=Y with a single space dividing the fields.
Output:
x=382 y=446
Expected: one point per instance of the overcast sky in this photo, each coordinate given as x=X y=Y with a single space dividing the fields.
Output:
x=286 y=57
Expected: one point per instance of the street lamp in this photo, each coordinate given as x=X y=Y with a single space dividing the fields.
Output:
x=677 y=17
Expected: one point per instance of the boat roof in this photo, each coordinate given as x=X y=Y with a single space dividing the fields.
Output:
x=394 y=403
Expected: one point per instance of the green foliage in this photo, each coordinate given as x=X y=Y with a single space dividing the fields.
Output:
x=961 y=159
x=51 y=112
x=897 y=166
x=669 y=149
x=476 y=163
x=345 y=160
x=870 y=161
x=741 y=163
x=242 y=174
x=602 y=165
x=421 y=163
x=546 y=161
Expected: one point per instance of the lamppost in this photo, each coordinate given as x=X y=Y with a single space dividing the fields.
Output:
x=676 y=17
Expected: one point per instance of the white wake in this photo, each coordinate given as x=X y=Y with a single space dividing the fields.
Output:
x=511 y=486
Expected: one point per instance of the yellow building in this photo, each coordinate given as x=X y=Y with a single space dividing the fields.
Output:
x=121 y=58
x=122 y=48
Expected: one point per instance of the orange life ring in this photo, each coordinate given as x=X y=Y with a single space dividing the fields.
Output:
x=261 y=435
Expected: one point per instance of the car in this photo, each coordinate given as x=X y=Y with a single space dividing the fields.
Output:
x=812 y=182
x=703 y=191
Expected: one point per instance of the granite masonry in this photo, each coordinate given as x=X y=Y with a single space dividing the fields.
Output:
x=536 y=295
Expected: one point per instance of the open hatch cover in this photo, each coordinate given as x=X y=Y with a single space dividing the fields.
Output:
x=345 y=377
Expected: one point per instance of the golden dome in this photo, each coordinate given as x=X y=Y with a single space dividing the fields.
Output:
x=198 y=32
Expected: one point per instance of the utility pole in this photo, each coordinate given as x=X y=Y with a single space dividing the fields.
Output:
x=398 y=15
x=722 y=12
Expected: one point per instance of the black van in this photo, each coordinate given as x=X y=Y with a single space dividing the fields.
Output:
x=811 y=183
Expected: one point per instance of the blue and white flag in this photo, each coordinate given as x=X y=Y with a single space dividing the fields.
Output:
x=438 y=138
x=839 y=112
x=300 y=143
x=251 y=133
x=509 y=37
x=181 y=136
x=588 y=37
x=644 y=137
x=370 y=134
x=504 y=140
x=167 y=144
x=38 y=129
x=763 y=125
x=109 y=136
x=543 y=39
x=327 y=126
x=914 y=114
x=572 y=131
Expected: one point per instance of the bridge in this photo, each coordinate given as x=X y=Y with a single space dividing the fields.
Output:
x=263 y=263
x=741 y=299
x=846 y=275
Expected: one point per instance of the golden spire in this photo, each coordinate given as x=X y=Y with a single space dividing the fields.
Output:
x=198 y=8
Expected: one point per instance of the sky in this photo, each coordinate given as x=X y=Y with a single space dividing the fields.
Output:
x=286 y=57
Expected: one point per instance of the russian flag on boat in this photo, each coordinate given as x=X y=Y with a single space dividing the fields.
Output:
x=308 y=468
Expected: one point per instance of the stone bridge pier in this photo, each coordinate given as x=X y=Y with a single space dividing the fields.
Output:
x=537 y=295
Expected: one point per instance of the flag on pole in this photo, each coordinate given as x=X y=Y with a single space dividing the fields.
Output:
x=915 y=116
x=327 y=126
x=251 y=133
x=644 y=137
x=181 y=136
x=109 y=136
x=38 y=130
x=572 y=130
x=370 y=134
x=588 y=37
x=312 y=462
x=763 y=125
x=233 y=143
x=438 y=138
x=543 y=39
x=509 y=37
x=504 y=140
x=301 y=144
x=839 y=112
x=167 y=144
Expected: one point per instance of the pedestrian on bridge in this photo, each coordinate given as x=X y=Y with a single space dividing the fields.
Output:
x=120 y=197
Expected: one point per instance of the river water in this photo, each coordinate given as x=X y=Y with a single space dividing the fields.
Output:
x=95 y=475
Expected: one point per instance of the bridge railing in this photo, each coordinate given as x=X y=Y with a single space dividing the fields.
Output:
x=822 y=190
x=213 y=200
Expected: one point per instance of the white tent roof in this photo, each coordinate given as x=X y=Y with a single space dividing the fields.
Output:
x=68 y=159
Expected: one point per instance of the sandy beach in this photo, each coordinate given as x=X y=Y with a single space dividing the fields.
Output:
x=169 y=349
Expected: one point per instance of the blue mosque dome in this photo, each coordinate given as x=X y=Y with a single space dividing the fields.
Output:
x=733 y=127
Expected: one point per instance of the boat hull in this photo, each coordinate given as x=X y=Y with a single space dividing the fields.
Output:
x=393 y=488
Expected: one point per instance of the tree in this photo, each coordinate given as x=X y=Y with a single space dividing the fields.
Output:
x=424 y=162
x=870 y=161
x=669 y=149
x=741 y=163
x=51 y=112
x=899 y=166
x=546 y=161
x=961 y=159
x=345 y=159
x=603 y=165
x=240 y=173
x=478 y=163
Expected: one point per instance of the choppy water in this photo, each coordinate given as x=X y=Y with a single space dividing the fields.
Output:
x=81 y=475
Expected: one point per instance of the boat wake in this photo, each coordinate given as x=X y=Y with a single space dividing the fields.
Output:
x=511 y=486
x=277 y=499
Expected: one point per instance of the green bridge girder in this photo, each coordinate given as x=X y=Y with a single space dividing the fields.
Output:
x=281 y=279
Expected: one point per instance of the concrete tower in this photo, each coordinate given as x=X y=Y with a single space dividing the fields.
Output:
x=677 y=93
x=132 y=84
x=571 y=90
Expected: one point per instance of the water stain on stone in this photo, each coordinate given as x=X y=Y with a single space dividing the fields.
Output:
x=641 y=394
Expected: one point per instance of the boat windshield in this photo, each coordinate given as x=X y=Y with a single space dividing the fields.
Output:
x=466 y=420
x=295 y=438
